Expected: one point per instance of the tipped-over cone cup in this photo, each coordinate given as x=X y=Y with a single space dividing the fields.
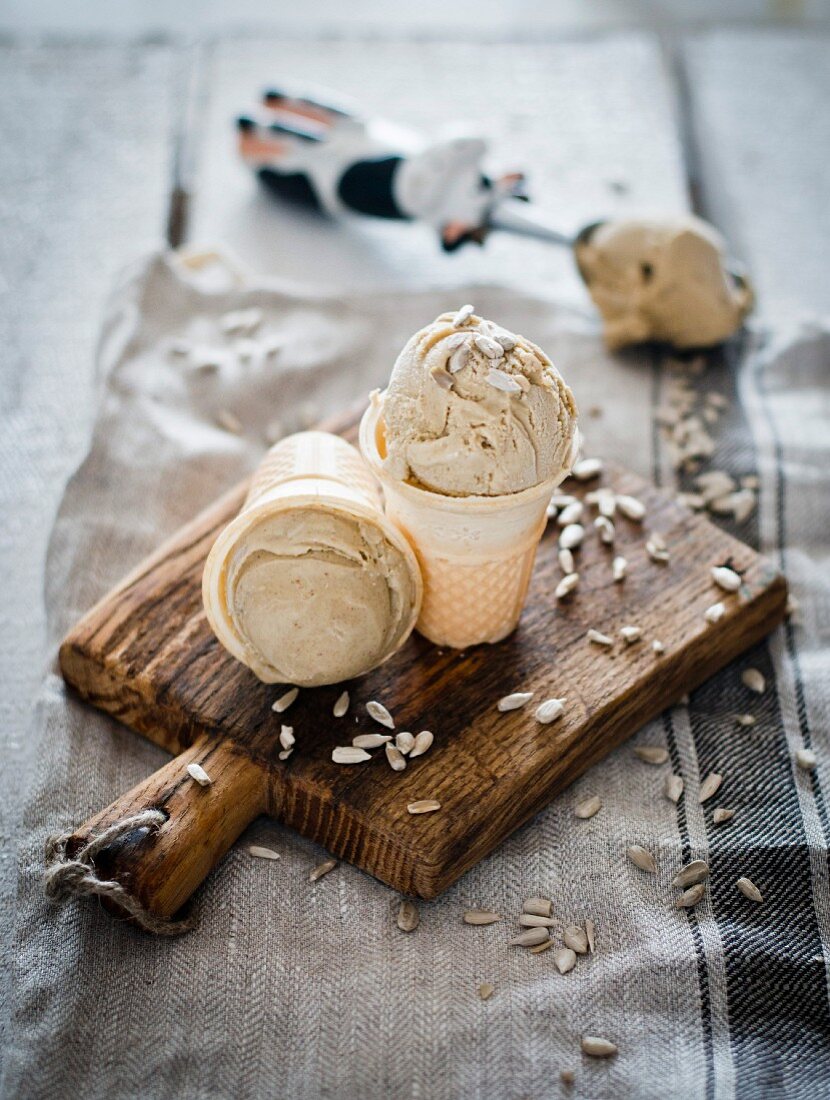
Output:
x=476 y=553
x=311 y=584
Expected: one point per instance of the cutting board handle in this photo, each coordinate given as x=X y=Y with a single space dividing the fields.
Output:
x=158 y=862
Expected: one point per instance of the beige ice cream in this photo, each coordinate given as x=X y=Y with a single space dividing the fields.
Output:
x=473 y=409
x=662 y=280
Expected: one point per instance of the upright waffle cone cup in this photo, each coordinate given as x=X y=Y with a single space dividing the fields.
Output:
x=309 y=470
x=476 y=553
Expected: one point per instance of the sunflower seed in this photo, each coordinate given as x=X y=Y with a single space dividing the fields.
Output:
x=588 y=807
x=486 y=990
x=229 y=421
x=459 y=359
x=658 y=647
x=690 y=875
x=726 y=578
x=533 y=920
x=397 y=760
x=606 y=503
x=284 y=755
x=456 y=340
x=481 y=916
x=691 y=500
x=743 y=504
x=258 y=852
x=408 y=917
x=587 y=469
x=342 y=705
x=631 y=508
x=571 y=536
x=721 y=815
x=514 y=701
x=564 y=959
x=745 y=719
x=404 y=742
x=500 y=380
x=656 y=548
x=673 y=788
x=566 y=586
x=422 y=742
x=322 y=869
x=197 y=772
x=530 y=937
x=606 y=530
x=566 y=561
x=571 y=513
x=590 y=932
x=423 y=806
x=380 y=714
x=285 y=701
x=506 y=339
x=749 y=889
x=463 y=316
x=441 y=377
x=715 y=613
x=492 y=350
x=689 y=898
x=348 y=754
x=576 y=938
x=370 y=740
x=597 y=1047
x=631 y=634
x=567 y=1076
x=806 y=759
x=714 y=483
x=754 y=680
x=540 y=907
x=652 y=754
x=619 y=567
x=599 y=639
x=538 y=948
x=642 y=858
x=709 y=786
x=287 y=739
x=549 y=711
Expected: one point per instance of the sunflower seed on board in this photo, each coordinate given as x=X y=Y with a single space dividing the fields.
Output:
x=514 y=701
x=673 y=788
x=690 y=875
x=492 y=350
x=441 y=377
x=749 y=889
x=534 y=920
x=549 y=711
x=571 y=513
x=341 y=705
x=652 y=754
x=423 y=741
x=631 y=634
x=586 y=469
x=538 y=948
x=607 y=504
x=721 y=815
x=530 y=937
x=642 y=858
x=576 y=938
x=423 y=806
x=397 y=760
x=588 y=807
x=599 y=639
x=404 y=742
x=596 y=1047
x=806 y=759
x=322 y=869
x=709 y=786
x=562 y=500
x=408 y=917
x=564 y=959
x=566 y=586
x=631 y=508
x=689 y=898
x=459 y=359
x=566 y=562
x=619 y=567
x=198 y=773
x=571 y=536
x=591 y=933
x=746 y=719
x=284 y=702
x=348 y=754
x=658 y=647
x=370 y=740
x=486 y=990
x=287 y=738
x=715 y=613
x=726 y=578
x=481 y=916
x=463 y=316
x=754 y=680
x=284 y=755
x=606 y=530
x=380 y=714
x=540 y=907
x=258 y=852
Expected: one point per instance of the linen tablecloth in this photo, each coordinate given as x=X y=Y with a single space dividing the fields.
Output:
x=295 y=990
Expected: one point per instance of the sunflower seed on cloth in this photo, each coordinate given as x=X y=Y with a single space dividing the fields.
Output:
x=596 y=1047
x=258 y=852
x=284 y=702
x=673 y=788
x=564 y=959
x=423 y=806
x=404 y=742
x=571 y=536
x=540 y=907
x=566 y=586
x=408 y=917
x=642 y=858
x=514 y=701
x=198 y=773
x=549 y=711
x=749 y=889
x=726 y=578
x=423 y=741
x=380 y=714
x=576 y=938
x=463 y=316
x=538 y=948
x=370 y=740
x=745 y=719
x=588 y=807
x=689 y=898
x=709 y=786
x=530 y=937
x=534 y=920
x=480 y=917
x=322 y=869
x=754 y=680
x=652 y=754
x=586 y=469
x=690 y=875
x=397 y=760
x=571 y=513
x=599 y=639
x=722 y=815
x=349 y=754
x=631 y=508
x=590 y=932
x=806 y=760
x=715 y=613
x=486 y=990
x=341 y=705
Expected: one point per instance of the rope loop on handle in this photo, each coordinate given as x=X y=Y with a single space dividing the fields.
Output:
x=75 y=876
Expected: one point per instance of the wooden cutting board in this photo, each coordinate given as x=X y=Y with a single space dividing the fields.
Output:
x=146 y=655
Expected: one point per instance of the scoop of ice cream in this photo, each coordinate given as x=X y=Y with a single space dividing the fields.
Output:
x=472 y=409
x=317 y=596
x=662 y=280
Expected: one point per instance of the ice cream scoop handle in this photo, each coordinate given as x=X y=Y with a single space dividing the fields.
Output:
x=182 y=830
x=515 y=216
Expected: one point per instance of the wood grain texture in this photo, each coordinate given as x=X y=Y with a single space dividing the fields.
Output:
x=145 y=654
